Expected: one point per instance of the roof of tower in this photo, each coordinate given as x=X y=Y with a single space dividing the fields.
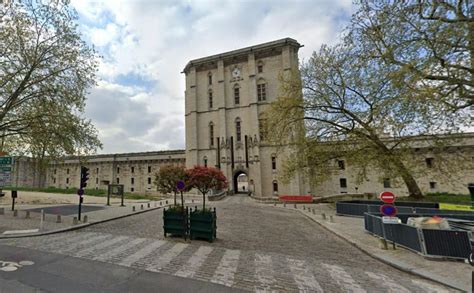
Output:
x=243 y=52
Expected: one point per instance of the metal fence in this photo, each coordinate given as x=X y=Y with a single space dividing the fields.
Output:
x=439 y=243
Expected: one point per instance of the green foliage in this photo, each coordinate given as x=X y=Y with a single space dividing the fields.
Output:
x=46 y=70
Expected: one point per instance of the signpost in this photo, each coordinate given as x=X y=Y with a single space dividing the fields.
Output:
x=389 y=211
x=181 y=186
x=5 y=171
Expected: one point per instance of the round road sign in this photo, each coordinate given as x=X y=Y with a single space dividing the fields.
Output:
x=388 y=210
x=387 y=197
x=180 y=185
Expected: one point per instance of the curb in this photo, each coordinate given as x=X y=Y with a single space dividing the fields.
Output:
x=80 y=226
x=399 y=266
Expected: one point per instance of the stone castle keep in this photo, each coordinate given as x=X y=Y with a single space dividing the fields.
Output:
x=226 y=97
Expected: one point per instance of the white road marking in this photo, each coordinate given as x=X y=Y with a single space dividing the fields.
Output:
x=194 y=263
x=264 y=272
x=117 y=250
x=101 y=245
x=343 y=279
x=429 y=287
x=391 y=284
x=303 y=277
x=227 y=268
x=167 y=257
x=143 y=252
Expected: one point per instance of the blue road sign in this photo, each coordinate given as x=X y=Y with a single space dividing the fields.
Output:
x=388 y=210
x=180 y=185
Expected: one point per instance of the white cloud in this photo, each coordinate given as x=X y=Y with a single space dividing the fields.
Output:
x=146 y=44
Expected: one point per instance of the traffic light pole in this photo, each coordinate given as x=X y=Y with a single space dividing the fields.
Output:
x=80 y=205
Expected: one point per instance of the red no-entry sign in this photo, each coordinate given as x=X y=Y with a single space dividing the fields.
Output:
x=387 y=197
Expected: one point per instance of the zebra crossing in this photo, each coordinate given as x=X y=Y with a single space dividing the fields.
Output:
x=251 y=270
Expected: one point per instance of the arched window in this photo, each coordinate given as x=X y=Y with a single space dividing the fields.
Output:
x=275 y=186
x=238 y=129
x=210 y=100
x=274 y=162
x=262 y=127
x=211 y=134
x=236 y=94
x=205 y=161
x=209 y=78
x=261 y=90
x=259 y=67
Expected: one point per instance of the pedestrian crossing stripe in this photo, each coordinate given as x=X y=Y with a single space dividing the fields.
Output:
x=156 y=255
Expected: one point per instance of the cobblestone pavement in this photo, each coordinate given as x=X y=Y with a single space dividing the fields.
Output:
x=259 y=248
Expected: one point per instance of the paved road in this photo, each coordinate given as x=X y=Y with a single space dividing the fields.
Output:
x=258 y=249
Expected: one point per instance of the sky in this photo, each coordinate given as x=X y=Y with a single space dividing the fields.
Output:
x=138 y=104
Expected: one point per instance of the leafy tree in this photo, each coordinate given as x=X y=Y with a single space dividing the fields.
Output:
x=205 y=179
x=347 y=105
x=168 y=176
x=45 y=71
x=429 y=45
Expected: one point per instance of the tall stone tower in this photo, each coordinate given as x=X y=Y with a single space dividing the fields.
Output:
x=226 y=98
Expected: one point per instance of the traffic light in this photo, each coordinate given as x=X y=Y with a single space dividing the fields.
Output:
x=84 y=176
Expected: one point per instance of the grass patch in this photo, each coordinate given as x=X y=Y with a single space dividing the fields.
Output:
x=443 y=197
x=92 y=192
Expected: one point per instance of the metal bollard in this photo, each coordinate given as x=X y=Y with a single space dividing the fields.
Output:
x=15 y=213
x=74 y=221
x=58 y=219
x=141 y=207
x=324 y=216
x=166 y=201
x=284 y=204
x=161 y=203
x=295 y=206
x=331 y=219
x=148 y=205
x=2 y=211
x=43 y=215
x=192 y=200
x=304 y=208
x=27 y=215
x=85 y=219
x=133 y=208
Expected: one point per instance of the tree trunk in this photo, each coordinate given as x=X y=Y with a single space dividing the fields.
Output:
x=203 y=202
x=414 y=190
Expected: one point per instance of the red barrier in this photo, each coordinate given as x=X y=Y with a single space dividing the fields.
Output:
x=296 y=198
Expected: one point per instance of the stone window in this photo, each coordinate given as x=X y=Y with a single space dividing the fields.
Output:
x=343 y=182
x=132 y=189
x=433 y=185
x=118 y=180
x=67 y=180
x=341 y=164
x=132 y=180
x=260 y=67
x=429 y=162
x=262 y=127
x=132 y=169
x=67 y=171
x=149 y=169
x=236 y=95
x=54 y=172
x=210 y=100
x=238 y=130
x=387 y=183
x=96 y=180
x=54 y=180
x=211 y=134
x=149 y=180
x=209 y=78
x=97 y=170
x=261 y=91
x=205 y=161
x=274 y=163
x=118 y=170
x=275 y=186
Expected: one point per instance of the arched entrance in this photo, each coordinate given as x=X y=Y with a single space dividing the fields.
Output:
x=241 y=182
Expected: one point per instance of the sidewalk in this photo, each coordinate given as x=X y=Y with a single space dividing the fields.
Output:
x=20 y=226
x=452 y=273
